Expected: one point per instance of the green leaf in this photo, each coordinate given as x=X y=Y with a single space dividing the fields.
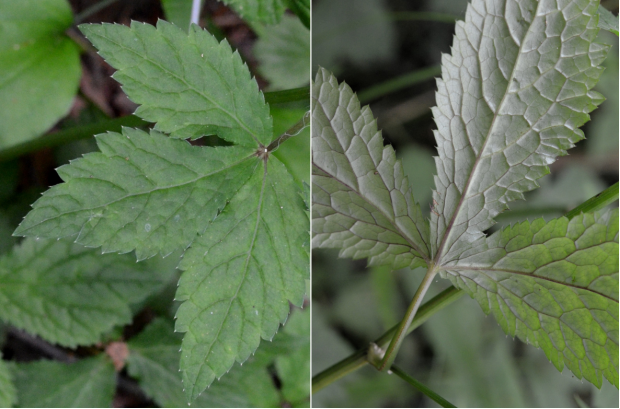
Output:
x=362 y=202
x=154 y=360
x=87 y=383
x=553 y=285
x=295 y=153
x=39 y=67
x=144 y=192
x=302 y=9
x=512 y=96
x=156 y=194
x=240 y=275
x=607 y=21
x=258 y=11
x=283 y=52
x=68 y=294
x=294 y=368
x=190 y=85
x=8 y=393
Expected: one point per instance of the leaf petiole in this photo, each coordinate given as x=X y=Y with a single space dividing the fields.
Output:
x=401 y=331
x=301 y=94
x=292 y=131
x=359 y=358
x=597 y=202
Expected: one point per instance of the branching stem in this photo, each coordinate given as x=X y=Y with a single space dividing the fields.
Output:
x=401 y=331
x=359 y=359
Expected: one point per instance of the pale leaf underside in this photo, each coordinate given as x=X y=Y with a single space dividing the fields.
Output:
x=553 y=285
x=511 y=98
x=68 y=294
x=362 y=202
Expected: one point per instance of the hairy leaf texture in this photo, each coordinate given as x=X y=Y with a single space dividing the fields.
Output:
x=554 y=285
x=68 y=294
x=362 y=202
x=190 y=86
x=86 y=383
x=144 y=192
x=511 y=98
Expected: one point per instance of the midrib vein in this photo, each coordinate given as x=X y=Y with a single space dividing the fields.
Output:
x=465 y=195
x=245 y=266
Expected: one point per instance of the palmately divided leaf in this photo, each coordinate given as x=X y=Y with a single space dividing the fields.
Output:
x=554 y=285
x=362 y=201
x=190 y=85
x=86 y=383
x=68 y=294
x=144 y=192
x=240 y=275
x=511 y=99
x=155 y=194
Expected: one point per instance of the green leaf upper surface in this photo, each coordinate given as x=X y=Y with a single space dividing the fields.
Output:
x=362 y=202
x=553 y=285
x=259 y=11
x=301 y=8
x=68 y=294
x=154 y=361
x=39 y=67
x=157 y=194
x=144 y=192
x=240 y=275
x=283 y=51
x=512 y=96
x=8 y=393
x=87 y=383
x=607 y=21
x=190 y=85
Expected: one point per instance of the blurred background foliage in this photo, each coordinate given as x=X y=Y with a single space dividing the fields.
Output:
x=381 y=48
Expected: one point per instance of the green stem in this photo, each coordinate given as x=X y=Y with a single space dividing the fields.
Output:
x=398 y=83
x=597 y=202
x=401 y=331
x=92 y=10
x=421 y=387
x=358 y=359
x=292 y=131
x=69 y=135
x=288 y=95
